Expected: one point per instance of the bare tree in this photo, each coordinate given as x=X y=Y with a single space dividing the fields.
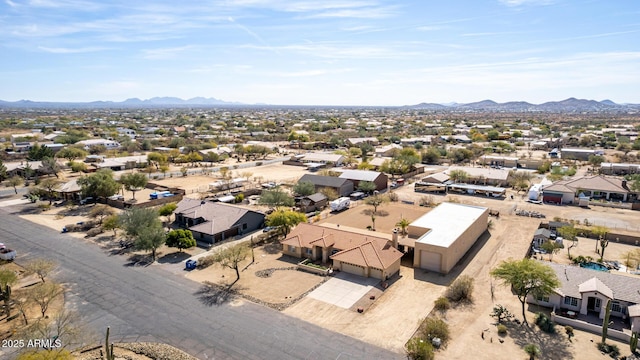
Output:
x=41 y=267
x=44 y=294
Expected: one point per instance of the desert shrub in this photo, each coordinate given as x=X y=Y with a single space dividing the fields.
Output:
x=94 y=232
x=501 y=313
x=206 y=261
x=44 y=207
x=579 y=260
x=502 y=329
x=393 y=197
x=72 y=227
x=88 y=225
x=461 y=289
x=78 y=167
x=545 y=324
x=418 y=349
x=610 y=349
x=442 y=304
x=433 y=327
x=569 y=330
x=426 y=201
x=239 y=198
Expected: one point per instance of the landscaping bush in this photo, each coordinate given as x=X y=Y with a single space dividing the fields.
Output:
x=393 y=197
x=461 y=289
x=610 y=349
x=502 y=329
x=206 y=261
x=94 y=232
x=501 y=313
x=545 y=324
x=433 y=327
x=418 y=349
x=442 y=304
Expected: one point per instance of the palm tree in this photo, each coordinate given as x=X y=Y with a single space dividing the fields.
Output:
x=403 y=224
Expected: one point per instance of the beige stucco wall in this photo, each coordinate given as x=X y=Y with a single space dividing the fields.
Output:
x=451 y=255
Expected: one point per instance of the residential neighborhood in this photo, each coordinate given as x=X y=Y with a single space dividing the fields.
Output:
x=241 y=201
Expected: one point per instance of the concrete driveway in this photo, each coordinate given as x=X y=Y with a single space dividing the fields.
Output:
x=343 y=290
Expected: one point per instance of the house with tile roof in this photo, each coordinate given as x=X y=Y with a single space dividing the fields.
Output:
x=351 y=252
x=594 y=187
x=585 y=291
x=211 y=222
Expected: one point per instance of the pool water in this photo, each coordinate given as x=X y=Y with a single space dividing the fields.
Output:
x=594 y=266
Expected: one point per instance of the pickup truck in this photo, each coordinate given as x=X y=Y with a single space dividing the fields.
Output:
x=6 y=253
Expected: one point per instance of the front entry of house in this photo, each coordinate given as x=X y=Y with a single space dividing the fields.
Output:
x=593 y=304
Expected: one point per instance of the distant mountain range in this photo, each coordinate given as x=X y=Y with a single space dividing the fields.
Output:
x=568 y=105
x=129 y=103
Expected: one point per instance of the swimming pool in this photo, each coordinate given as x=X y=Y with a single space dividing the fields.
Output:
x=594 y=266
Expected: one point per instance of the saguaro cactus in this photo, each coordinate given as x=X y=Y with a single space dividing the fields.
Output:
x=605 y=322
x=633 y=342
x=108 y=348
x=5 y=294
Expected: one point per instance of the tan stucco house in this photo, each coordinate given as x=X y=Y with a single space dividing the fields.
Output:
x=351 y=252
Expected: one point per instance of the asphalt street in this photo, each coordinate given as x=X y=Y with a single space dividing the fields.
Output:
x=153 y=304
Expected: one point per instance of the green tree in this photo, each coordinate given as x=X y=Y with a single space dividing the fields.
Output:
x=376 y=201
x=134 y=220
x=551 y=247
x=418 y=349
x=50 y=185
x=181 y=239
x=569 y=233
x=111 y=223
x=3 y=171
x=14 y=181
x=493 y=135
x=431 y=156
x=155 y=159
x=101 y=211
x=167 y=210
x=304 y=188
x=38 y=152
x=366 y=187
x=150 y=238
x=99 y=184
x=231 y=257
x=71 y=153
x=285 y=219
x=7 y=277
x=458 y=176
x=50 y=166
x=134 y=182
x=526 y=277
x=276 y=197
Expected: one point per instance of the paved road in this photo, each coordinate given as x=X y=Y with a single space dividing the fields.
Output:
x=152 y=304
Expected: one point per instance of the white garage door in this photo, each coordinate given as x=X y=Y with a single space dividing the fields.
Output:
x=353 y=269
x=430 y=260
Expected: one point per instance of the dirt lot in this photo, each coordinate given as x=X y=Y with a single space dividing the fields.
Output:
x=272 y=278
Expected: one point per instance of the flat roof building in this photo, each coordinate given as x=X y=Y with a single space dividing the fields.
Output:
x=445 y=234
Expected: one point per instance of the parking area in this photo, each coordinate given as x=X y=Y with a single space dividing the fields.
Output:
x=343 y=290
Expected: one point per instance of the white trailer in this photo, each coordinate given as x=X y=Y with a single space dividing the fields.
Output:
x=340 y=204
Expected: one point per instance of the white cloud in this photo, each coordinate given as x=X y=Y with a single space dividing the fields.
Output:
x=59 y=50
x=526 y=2
x=164 y=53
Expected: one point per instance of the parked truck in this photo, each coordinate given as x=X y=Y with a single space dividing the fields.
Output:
x=340 y=204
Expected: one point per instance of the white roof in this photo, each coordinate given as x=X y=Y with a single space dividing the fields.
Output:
x=360 y=175
x=316 y=157
x=447 y=222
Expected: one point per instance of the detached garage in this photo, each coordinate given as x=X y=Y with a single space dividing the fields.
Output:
x=445 y=234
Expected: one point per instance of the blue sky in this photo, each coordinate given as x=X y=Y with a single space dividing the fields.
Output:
x=321 y=52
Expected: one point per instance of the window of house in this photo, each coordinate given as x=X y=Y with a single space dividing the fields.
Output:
x=543 y=298
x=244 y=226
x=568 y=300
x=292 y=248
x=308 y=251
x=615 y=307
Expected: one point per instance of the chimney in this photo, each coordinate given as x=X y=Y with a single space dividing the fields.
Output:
x=394 y=238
